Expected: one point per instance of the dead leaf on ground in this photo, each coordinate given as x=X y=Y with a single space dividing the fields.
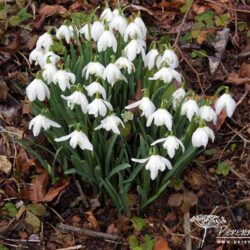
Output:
x=220 y=120
x=5 y=164
x=175 y=200
x=23 y=163
x=20 y=77
x=92 y=220
x=112 y=229
x=3 y=90
x=48 y=10
x=190 y=197
x=161 y=244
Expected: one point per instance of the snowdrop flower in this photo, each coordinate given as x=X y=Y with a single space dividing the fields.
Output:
x=111 y=122
x=171 y=144
x=227 y=102
x=143 y=27
x=44 y=42
x=145 y=105
x=77 y=98
x=107 y=40
x=178 y=96
x=116 y=12
x=37 y=56
x=154 y=164
x=41 y=121
x=93 y=68
x=201 y=135
x=113 y=74
x=63 y=79
x=49 y=72
x=189 y=108
x=134 y=48
x=85 y=31
x=77 y=138
x=170 y=58
x=124 y=63
x=158 y=61
x=65 y=32
x=37 y=89
x=161 y=117
x=167 y=75
x=94 y=88
x=119 y=23
x=51 y=57
x=99 y=107
x=133 y=31
x=97 y=30
x=149 y=61
x=207 y=114
x=107 y=15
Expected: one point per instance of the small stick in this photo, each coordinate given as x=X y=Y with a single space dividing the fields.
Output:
x=187 y=231
x=72 y=248
x=82 y=195
x=89 y=232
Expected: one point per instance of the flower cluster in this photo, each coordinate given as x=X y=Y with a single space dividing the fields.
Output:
x=92 y=82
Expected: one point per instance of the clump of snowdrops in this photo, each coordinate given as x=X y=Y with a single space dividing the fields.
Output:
x=116 y=112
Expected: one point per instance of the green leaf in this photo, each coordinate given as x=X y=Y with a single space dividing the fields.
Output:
x=3 y=247
x=11 y=209
x=206 y=18
x=15 y=20
x=223 y=20
x=118 y=169
x=24 y=15
x=138 y=223
x=210 y=152
x=248 y=33
x=132 y=242
x=3 y=14
x=37 y=209
x=33 y=221
x=148 y=242
x=187 y=37
x=223 y=169
x=198 y=54
x=186 y=6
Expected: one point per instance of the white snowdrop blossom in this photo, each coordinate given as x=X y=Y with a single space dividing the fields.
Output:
x=207 y=114
x=107 y=40
x=111 y=122
x=201 y=135
x=65 y=32
x=189 y=108
x=94 y=88
x=63 y=78
x=178 y=96
x=150 y=58
x=124 y=63
x=50 y=57
x=142 y=25
x=225 y=102
x=120 y=24
x=154 y=164
x=113 y=74
x=77 y=138
x=48 y=72
x=37 y=89
x=107 y=15
x=86 y=31
x=45 y=41
x=166 y=75
x=37 y=56
x=133 y=31
x=99 y=107
x=134 y=48
x=170 y=58
x=77 y=98
x=97 y=30
x=93 y=68
x=161 y=117
x=171 y=144
x=41 y=121
x=145 y=105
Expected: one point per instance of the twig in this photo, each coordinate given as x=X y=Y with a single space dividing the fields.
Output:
x=82 y=195
x=239 y=175
x=89 y=232
x=57 y=214
x=235 y=205
x=72 y=248
x=242 y=98
x=187 y=231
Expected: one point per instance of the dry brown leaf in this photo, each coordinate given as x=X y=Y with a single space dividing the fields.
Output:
x=92 y=220
x=3 y=90
x=20 y=77
x=48 y=10
x=161 y=244
x=175 y=200
x=220 y=120
x=202 y=37
x=196 y=180
x=23 y=163
x=5 y=164
x=112 y=229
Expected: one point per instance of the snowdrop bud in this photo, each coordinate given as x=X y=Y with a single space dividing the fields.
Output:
x=44 y=42
x=178 y=96
x=48 y=72
x=189 y=108
x=113 y=74
x=120 y=24
x=161 y=117
x=166 y=75
x=107 y=15
x=37 y=89
x=94 y=88
x=97 y=30
x=63 y=79
x=143 y=27
x=65 y=32
x=127 y=116
x=77 y=98
x=201 y=135
x=42 y=121
x=207 y=114
x=99 y=107
x=154 y=164
x=134 y=48
x=107 y=40
x=124 y=63
x=227 y=102
x=93 y=68
x=85 y=31
x=133 y=31
x=170 y=58
x=77 y=138
x=149 y=61
x=145 y=105
x=51 y=57
x=171 y=144
x=111 y=122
